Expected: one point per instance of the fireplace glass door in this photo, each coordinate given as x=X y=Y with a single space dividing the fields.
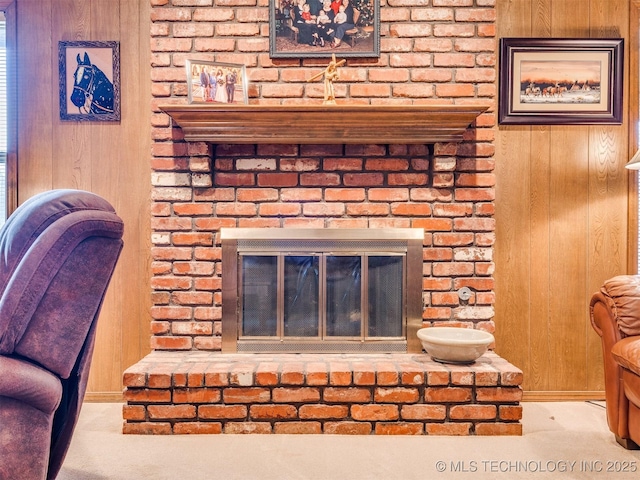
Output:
x=322 y=297
x=344 y=312
x=321 y=290
x=301 y=301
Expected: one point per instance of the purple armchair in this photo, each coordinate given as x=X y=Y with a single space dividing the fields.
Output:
x=57 y=254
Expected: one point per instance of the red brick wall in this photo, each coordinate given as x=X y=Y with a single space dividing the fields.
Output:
x=432 y=51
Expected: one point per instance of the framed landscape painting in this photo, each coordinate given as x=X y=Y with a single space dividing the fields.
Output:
x=560 y=81
x=320 y=28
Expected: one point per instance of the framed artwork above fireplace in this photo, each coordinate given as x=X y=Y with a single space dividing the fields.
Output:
x=318 y=28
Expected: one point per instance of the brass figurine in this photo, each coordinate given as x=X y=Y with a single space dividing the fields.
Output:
x=330 y=75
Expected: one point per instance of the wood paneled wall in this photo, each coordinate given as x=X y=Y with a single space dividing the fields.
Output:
x=562 y=191
x=110 y=159
x=562 y=215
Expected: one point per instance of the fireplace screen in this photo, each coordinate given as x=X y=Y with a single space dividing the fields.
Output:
x=303 y=292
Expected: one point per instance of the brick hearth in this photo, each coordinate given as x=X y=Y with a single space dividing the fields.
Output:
x=401 y=394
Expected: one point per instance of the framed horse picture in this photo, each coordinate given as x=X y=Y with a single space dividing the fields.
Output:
x=89 y=80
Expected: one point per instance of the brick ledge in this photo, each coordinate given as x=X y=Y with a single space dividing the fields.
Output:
x=210 y=392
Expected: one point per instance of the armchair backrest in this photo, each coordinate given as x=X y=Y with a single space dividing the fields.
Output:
x=57 y=284
x=32 y=217
x=56 y=291
x=623 y=293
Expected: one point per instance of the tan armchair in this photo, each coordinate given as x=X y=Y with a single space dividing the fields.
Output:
x=615 y=316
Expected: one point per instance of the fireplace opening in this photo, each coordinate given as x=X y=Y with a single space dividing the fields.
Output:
x=330 y=290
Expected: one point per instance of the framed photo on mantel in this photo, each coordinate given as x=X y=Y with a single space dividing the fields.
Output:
x=216 y=82
x=320 y=28
x=565 y=81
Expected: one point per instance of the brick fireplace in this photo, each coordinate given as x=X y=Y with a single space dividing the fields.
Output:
x=433 y=52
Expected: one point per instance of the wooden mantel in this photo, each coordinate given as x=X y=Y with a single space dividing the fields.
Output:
x=323 y=124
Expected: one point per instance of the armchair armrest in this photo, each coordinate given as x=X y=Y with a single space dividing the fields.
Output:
x=29 y=396
x=30 y=384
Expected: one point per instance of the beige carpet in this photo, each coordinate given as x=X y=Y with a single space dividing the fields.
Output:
x=561 y=440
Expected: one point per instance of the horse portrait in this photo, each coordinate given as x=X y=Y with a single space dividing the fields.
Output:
x=89 y=80
x=92 y=90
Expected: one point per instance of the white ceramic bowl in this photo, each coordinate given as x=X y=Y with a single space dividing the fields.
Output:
x=454 y=344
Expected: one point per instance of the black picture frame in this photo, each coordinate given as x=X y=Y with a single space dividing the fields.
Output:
x=561 y=81
x=287 y=39
x=89 y=73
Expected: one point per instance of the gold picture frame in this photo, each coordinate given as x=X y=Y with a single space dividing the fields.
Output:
x=216 y=82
